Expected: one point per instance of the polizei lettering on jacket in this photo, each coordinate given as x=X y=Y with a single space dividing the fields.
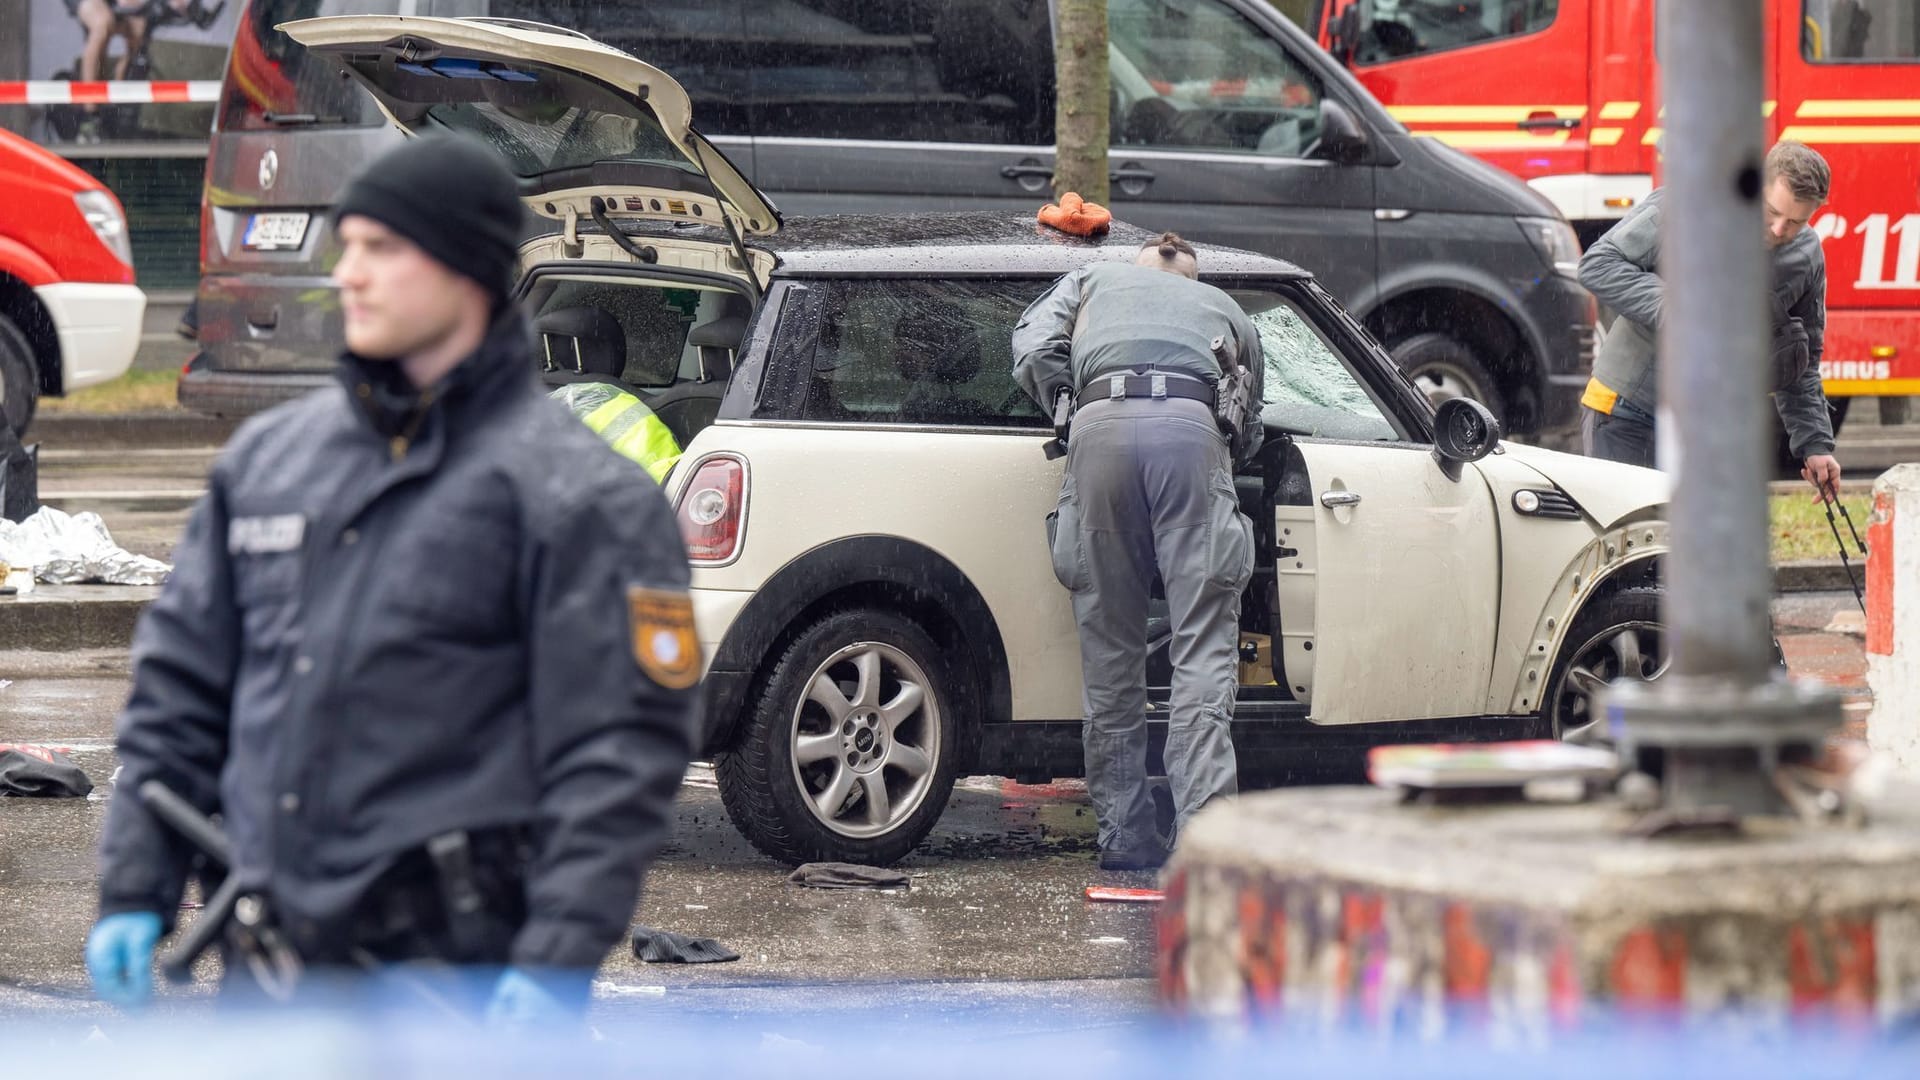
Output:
x=266 y=535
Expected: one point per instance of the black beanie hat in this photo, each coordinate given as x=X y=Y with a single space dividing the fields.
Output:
x=453 y=196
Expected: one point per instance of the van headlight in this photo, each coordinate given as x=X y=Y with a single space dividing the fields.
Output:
x=104 y=216
x=1554 y=239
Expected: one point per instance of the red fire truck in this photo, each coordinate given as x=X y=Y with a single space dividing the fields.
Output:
x=1565 y=94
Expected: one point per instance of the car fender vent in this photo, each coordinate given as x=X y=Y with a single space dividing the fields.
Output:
x=1546 y=503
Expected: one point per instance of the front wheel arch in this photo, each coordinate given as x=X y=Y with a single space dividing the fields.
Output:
x=1619 y=633
x=887 y=572
x=1477 y=320
x=19 y=303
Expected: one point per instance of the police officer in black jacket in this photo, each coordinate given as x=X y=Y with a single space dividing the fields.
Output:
x=427 y=646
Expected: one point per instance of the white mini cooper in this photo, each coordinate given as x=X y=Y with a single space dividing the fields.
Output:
x=863 y=489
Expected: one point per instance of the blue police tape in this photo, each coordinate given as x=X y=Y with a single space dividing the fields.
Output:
x=1061 y=1041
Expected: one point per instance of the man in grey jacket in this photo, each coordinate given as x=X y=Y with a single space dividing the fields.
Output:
x=1149 y=487
x=1622 y=270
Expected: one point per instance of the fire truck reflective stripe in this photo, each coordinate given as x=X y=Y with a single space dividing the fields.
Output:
x=62 y=92
x=1495 y=140
x=1480 y=114
x=1606 y=136
x=1870 y=387
x=1817 y=109
x=1864 y=133
x=1619 y=110
x=1767 y=109
x=1652 y=137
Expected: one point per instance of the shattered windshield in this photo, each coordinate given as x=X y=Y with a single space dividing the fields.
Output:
x=1307 y=388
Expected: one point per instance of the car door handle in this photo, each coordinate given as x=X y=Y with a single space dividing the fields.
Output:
x=1331 y=499
x=1549 y=123
x=1132 y=172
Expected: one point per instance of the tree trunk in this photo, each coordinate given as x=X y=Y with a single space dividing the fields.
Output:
x=1080 y=123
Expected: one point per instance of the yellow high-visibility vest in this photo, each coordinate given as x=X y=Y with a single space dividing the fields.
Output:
x=625 y=422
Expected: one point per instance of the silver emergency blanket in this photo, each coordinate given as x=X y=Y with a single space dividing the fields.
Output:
x=74 y=549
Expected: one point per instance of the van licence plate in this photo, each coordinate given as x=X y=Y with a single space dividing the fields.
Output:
x=273 y=232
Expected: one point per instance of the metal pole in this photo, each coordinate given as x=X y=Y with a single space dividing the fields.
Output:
x=1712 y=383
x=1721 y=722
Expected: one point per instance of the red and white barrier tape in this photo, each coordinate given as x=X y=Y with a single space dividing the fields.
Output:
x=63 y=92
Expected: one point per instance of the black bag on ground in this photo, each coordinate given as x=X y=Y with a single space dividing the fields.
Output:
x=839 y=875
x=39 y=771
x=19 y=477
x=666 y=947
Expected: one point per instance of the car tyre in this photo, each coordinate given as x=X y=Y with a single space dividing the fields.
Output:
x=19 y=378
x=1620 y=634
x=1442 y=367
x=850 y=748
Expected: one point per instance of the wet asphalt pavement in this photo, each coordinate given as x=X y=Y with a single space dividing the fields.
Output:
x=994 y=920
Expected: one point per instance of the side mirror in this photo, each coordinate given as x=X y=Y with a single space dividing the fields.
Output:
x=1463 y=430
x=1342 y=140
x=1343 y=35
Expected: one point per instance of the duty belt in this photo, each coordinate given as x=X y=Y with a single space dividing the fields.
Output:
x=1116 y=387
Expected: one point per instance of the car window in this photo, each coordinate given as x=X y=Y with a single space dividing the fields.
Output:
x=1197 y=74
x=922 y=352
x=646 y=338
x=268 y=74
x=1842 y=31
x=703 y=45
x=973 y=71
x=1391 y=29
x=1308 y=389
x=540 y=119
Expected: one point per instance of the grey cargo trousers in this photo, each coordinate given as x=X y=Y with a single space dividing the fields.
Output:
x=1149 y=485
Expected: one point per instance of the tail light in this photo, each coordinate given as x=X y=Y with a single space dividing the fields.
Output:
x=712 y=510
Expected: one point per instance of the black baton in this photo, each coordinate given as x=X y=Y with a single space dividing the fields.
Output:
x=179 y=815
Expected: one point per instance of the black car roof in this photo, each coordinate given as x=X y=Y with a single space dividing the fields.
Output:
x=974 y=243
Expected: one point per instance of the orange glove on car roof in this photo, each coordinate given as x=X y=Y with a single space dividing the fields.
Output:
x=1075 y=215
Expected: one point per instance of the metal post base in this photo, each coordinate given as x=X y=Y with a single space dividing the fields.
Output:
x=1717 y=745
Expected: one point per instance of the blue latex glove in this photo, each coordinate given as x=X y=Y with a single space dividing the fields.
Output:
x=523 y=1000
x=120 y=957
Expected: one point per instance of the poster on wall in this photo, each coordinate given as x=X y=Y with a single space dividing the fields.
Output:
x=133 y=70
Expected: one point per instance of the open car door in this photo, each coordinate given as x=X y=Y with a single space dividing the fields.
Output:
x=1389 y=568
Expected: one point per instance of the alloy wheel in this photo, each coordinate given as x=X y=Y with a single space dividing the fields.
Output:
x=1636 y=651
x=865 y=739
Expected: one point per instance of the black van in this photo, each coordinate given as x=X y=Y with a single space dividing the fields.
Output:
x=1229 y=125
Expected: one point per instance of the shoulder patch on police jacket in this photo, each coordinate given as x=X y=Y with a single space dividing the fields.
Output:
x=664 y=643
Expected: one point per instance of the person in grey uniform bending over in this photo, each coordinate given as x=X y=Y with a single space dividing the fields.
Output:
x=1148 y=487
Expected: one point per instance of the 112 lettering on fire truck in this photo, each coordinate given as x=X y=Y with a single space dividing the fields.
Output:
x=1565 y=94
